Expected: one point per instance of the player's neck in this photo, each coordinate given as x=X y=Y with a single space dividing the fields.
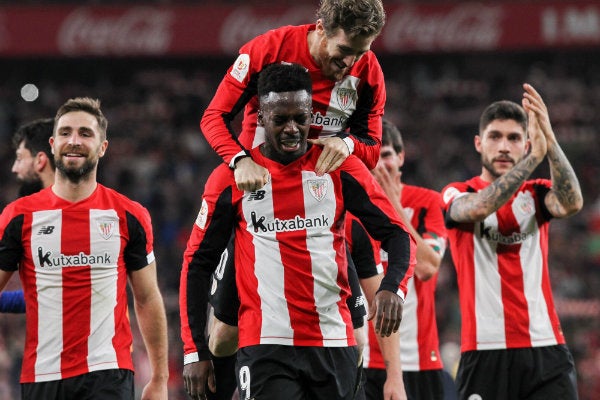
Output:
x=74 y=191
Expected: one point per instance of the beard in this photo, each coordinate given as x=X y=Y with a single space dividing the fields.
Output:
x=76 y=175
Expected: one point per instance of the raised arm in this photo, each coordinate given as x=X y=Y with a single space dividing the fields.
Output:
x=565 y=198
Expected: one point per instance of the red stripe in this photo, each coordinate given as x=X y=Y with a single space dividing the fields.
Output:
x=75 y=238
x=546 y=286
x=427 y=337
x=28 y=280
x=466 y=283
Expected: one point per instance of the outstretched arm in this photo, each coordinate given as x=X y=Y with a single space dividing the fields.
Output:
x=565 y=198
x=152 y=320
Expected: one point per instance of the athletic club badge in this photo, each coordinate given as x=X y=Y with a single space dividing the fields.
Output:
x=317 y=188
x=106 y=228
x=525 y=204
x=346 y=97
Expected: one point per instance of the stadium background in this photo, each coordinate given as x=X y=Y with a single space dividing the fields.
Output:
x=156 y=64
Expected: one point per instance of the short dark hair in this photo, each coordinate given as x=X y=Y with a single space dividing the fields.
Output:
x=35 y=135
x=283 y=77
x=391 y=136
x=503 y=110
x=355 y=17
x=88 y=105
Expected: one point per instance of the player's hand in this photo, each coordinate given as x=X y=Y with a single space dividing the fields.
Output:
x=387 y=312
x=195 y=377
x=533 y=101
x=155 y=390
x=390 y=185
x=393 y=388
x=249 y=176
x=537 y=139
x=335 y=151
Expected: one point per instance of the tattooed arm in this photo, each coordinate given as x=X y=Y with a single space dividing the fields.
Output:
x=565 y=198
x=475 y=207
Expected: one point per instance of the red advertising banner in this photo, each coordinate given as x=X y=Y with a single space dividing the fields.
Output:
x=27 y=31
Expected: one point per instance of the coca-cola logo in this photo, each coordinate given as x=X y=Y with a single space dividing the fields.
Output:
x=137 y=31
x=464 y=27
x=245 y=23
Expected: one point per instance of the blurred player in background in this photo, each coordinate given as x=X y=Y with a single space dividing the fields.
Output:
x=512 y=344
x=34 y=169
x=419 y=369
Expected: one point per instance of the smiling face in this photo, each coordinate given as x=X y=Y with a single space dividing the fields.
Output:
x=502 y=144
x=286 y=118
x=77 y=145
x=337 y=53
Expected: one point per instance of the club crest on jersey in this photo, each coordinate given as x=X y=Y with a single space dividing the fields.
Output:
x=346 y=97
x=106 y=228
x=317 y=188
x=524 y=203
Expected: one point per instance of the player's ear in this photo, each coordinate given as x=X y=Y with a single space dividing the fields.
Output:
x=477 y=141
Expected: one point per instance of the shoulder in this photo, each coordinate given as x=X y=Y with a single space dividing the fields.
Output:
x=454 y=190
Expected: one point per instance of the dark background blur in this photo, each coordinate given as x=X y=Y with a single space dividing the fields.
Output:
x=443 y=65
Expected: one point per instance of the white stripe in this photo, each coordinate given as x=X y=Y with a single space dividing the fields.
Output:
x=49 y=294
x=409 y=345
x=324 y=266
x=104 y=288
x=489 y=310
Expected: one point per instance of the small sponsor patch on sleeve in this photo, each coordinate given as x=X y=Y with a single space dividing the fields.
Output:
x=202 y=215
x=241 y=67
x=449 y=194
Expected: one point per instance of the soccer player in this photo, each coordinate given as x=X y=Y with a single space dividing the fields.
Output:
x=420 y=370
x=34 y=169
x=512 y=345
x=290 y=256
x=75 y=245
x=348 y=101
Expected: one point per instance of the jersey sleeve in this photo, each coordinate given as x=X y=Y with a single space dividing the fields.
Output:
x=139 y=251
x=362 y=249
x=209 y=237
x=449 y=194
x=365 y=123
x=236 y=89
x=365 y=199
x=11 y=247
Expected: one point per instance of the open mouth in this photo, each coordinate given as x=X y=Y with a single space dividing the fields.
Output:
x=291 y=144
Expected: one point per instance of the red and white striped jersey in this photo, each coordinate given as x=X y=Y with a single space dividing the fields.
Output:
x=502 y=269
x=419 y=341
x=290 y=252
x=73 y=260
x=353 y=105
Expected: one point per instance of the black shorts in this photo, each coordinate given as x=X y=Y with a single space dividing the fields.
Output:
x=417 y=384
x=529 y=373
x=226 y=303
x=108 y=384
x=275 y=372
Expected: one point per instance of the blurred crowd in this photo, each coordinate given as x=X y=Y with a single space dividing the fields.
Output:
x=158 y=157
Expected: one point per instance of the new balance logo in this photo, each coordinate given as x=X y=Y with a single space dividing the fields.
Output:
x=46 y=230
x=258 y=195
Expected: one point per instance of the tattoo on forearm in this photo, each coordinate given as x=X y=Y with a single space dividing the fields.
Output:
x=497 y=193
x=565 y=185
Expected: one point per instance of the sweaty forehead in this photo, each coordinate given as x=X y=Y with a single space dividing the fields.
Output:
x=281 y=98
